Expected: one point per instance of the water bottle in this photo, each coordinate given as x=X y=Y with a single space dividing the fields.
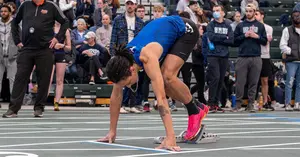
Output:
x=211 y=45
x=233 y=101
x=233 y=97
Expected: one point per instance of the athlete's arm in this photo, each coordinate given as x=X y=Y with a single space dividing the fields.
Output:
x=115 y=105
x=150 y=56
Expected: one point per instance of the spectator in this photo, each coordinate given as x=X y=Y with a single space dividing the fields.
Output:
x=244 y=3
x=209 y=4
x=35 y=49
x=202 y=19
x=158 y=11
x=289 y=45
x=85 y=9
x=181 y=5
x=103 y=34
x=8 y=50
x=77 y=35
x=67 y=7
x=198 y=66
x=237 y=20
x=125 y=27
x=220 y=35
x=102 y=8
x=63 y=46
x=92 y=56
x=249 y=36
x=266 y=71
x=191 y=9
x=140 y=11
x=114 y=5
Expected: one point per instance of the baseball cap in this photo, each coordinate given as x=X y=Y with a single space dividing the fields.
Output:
x=133 y=1
x=251 y=6
x=90 y=35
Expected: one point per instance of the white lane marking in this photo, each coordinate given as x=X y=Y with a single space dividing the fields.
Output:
x=214 y=150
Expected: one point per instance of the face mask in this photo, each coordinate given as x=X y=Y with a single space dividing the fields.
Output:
x=216 y=15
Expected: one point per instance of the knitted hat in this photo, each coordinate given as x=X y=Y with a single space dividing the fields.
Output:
x=297 y=7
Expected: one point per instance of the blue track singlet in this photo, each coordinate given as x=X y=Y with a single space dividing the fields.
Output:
x=165 y=31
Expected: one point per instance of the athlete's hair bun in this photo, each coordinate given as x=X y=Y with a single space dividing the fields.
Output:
x=123 y=51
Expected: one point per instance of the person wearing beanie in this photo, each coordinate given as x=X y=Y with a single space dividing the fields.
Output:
x=290 y=49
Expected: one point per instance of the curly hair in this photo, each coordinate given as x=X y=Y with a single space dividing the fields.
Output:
x=118 y=67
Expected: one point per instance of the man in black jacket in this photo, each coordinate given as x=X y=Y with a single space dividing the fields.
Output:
x=35 y=48
x=249 y=36
x=219 y=34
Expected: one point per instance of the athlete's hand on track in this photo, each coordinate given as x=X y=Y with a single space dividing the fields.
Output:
x=109 y=138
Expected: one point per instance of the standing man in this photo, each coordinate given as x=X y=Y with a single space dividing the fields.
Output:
x=8 y=50
x=125 y=27
x=249 y=36
x=266 y=70
x=140 y=11
x=219 y=34
x=289 y=45
x=35 y=48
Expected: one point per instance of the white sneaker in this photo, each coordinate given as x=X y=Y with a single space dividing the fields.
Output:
x=134 y=110
x=296 y=107
x=123 y=111
x=127 y=109
x=228 y=104
x=288 y=107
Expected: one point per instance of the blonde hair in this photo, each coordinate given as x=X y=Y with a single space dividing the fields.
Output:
x=158 y=8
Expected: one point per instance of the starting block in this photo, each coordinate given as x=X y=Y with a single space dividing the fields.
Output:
x=202 y=138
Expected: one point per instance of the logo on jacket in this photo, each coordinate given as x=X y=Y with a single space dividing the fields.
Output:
x=44 y=11
x=188 y=28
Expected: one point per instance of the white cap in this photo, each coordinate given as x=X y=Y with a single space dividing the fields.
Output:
x=133 y=1
x=90 y=35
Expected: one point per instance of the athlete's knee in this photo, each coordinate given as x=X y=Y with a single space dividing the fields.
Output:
x=168 y=77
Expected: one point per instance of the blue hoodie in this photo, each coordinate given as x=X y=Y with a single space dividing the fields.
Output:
x=221 y=35
x=250 y=47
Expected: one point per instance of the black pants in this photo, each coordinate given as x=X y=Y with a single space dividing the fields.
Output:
x=145 y=87
x=215 y=78
x=43 y=59
x=92 y=65
x=199 y=74
x=186 y=72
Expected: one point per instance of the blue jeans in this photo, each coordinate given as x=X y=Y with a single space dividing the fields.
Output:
x=293 y=74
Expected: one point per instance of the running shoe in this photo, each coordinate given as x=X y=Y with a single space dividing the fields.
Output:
x=194 y=123
x=56 y=106
x=146 y=107
x=268 y=107
x=10 y=114
x=296 y=107
x=38 y=113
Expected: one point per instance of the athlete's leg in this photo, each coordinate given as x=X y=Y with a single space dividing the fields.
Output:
x=170 y=69
x=150 y=57
x=175 y=88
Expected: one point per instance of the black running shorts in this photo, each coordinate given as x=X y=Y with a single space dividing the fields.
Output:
x=186 y=43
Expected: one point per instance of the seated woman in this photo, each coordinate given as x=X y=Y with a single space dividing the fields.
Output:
x=93 y=56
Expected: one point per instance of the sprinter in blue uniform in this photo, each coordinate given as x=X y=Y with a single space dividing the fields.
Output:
x=168 y=42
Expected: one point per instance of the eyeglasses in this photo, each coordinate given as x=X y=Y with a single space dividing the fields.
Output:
x=141 y=11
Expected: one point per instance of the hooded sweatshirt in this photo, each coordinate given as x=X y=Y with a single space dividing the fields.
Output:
x=250 y=47
x=221 y=35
